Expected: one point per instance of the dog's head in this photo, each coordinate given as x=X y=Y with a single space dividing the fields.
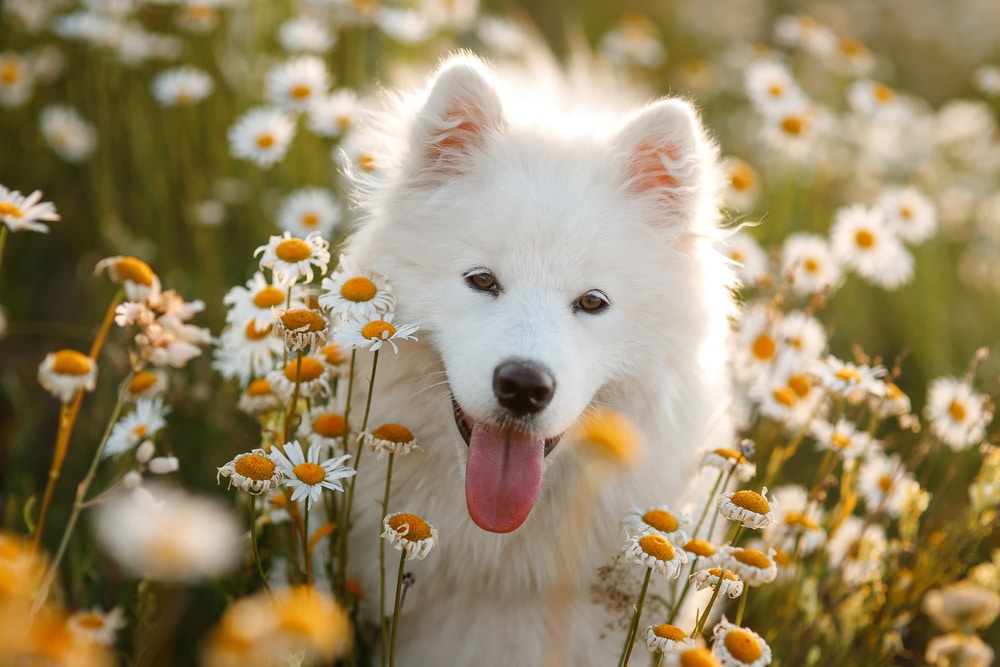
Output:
x=544 y=267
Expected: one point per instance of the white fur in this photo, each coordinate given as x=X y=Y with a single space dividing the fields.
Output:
x=554 y=206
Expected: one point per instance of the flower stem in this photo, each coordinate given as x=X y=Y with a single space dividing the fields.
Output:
x=306 y=551
x=715 y=515
x=687 y=584
x=396 y=609
x=700 y=625
x=3 y=241
x=708 y=504
x=381 y=562
x=743 y=604
x=253 y=544
x=67 y=419
x=633 y=628
x=294 y=404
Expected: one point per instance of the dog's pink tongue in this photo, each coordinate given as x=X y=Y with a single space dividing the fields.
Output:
x=502 y=477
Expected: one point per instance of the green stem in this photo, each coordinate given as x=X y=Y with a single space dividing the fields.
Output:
x=3 y=241
x=743 y=604
x=381 y=562
x=253 y=543
x=630 y=640
x=711 y=603
x=306 y=555
x=715 y=515
x=396 y=609
x=708 y=504
x=687 y=584
x=294 y=405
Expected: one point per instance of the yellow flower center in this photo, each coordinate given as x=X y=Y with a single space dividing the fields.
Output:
x=885 y=483
x=657 y=546
x=607 y=432
x=800 y=384
x=736 y=256
x=358 y=289
x=90 y=621
x=785 y=396
x=139 y=430
x=810 y=265
x=366 y=162
x=419 y=530
x=393 y=433
x=142 y=381
x=763 y=347
x=265 y=140
x=8 y=208
x=800 y=520
x=253 y=333
x=661 y=520
x=134 y=270
x=728 y=453
x=717 y=572
x=848 y=374
x=310 y=370
x=71 y=362
x=668 y=631
x=300 y=91
x=329 y=425
x=957 y=411
x=793 y=125
x=776 y=90
x=841 y=440
x=378 y=329
x=332 y=354
x=864 y=238
x=293 y=250
x=10 y=72
x=743 y=646
x=753 y=558
x=852 y=47
x=700 y=547
x=699 y=657
x=751 y=500
x=343 y=121
x=310 y=219
x=256 y=467
x=268 y=297
x=906 y=212
x=741 y=179
x=302 y=318
x=310 y=473
x=260 y=387
x=883 y=93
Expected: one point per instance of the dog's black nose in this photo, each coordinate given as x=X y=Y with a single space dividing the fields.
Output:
x=523 y=387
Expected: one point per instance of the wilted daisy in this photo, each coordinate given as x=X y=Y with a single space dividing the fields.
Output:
x=309 y=210
x=145 y=421
x=739 y=647
x=262 y=135
x=301 y=328
x=807 y=261
x=66 y=372
x=964 y=604
x=666 y=637
x=97 y=625
x=959 y=648
x=182 y=86
x=304 y=34
x=351 y=293
x=656 y=520
x=410 y=534
x=69 y=135
x=748 y=255
x=729 y=460
x=308 y=373
x=390 y=439
x=862 y=241
x=749 y=508
x=258 y=397
x=255 y=472
x=134 y=275
x=320 y=425
x=335 y=114
x=294 y=260
x=957 y=413
x=884 y=483
x=22 y=213
x=296 y=83
x=306 y=475
x=257 y=299
x=732 y=585
x=654 y=551
x=371 y=334
x=168 y=535
x=754 y=567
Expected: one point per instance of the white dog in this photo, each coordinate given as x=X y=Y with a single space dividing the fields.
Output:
x=553 y=264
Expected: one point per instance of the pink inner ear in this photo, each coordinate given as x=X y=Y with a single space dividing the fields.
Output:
x=461 y=130
x=647 y=171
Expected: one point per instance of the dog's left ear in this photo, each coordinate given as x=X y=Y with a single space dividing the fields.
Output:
x=662 y=153
x=461 y=112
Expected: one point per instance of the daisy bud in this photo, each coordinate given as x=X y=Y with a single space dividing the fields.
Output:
x=145 y=452
x=132 y=480
x=164 y=465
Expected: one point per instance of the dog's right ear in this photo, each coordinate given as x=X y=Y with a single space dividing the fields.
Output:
x=462 y=110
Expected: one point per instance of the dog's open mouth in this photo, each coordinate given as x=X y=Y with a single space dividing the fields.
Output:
x=503 y=473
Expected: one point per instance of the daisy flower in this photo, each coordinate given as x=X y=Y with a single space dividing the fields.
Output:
x=803 y=336
x=306 y=475
x=804 y=32
x=656 y=520
x=257 y=298
x=145 y=421
x=654 y=551
x=858 y=549
x=884 y=483
x=796 y=522
x=183 y=86
x=245 y=352
x=987 y=79
x=16 y=80
x=806 y=259
x=134 y=275
x=634 y=41
x=741 y=184
x=309 y=210
x=66 y=372
x=373 y=333
x=908 y=213
x=262 y=135
x=732 y=585
x=749 y=508
x=293 y=259
x=964 y=604
x=739 y=647
x=699 y=548
x=351 y=293
x=748 y=255
x=666 y=637
x=97 y=625
x=842 y=437
x=697 y=656
x=146 y=384
x=294 y=84
x=958 y=648
x=255 y=472
x=501 y=34
x=258 y=397
x=168 y=535
x=862 y=242
x=958 y=415
x=335 y=114
x=757 y=341
x=390 y=439
x=875 y=100
x=771 y=87
x=304 y=34
x=787 y=396
x=22 y=213
x=794 y=131
x=337 y=362
x=312 y=378
x=754 y=567
x=847 y=379
x=890 y=402
x=730 y=460
x=410 y=534
x=68 y=134
x=301 y=328
x=322 y=426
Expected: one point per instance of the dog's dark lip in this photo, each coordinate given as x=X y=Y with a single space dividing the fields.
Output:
x=465 y=427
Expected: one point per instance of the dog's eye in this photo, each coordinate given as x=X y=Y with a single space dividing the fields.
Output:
x=483 y=281
x=593 y=301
